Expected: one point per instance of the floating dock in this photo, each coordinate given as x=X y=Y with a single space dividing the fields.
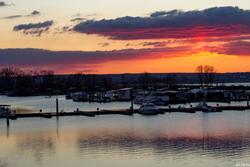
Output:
x=120 y=112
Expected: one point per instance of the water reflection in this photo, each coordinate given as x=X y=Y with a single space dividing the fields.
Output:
x=172 y=138
x=38 y=146
x=3 y=163
x=232 y=145
x=57 y=126
x=7 y=131
x=4 y=128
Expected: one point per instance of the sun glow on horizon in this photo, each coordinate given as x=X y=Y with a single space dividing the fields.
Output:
x=155 y=38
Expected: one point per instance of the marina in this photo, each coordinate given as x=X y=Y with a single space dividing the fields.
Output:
x=124 y=112
x=93 y=132
x=92 y=113
x=168 y=139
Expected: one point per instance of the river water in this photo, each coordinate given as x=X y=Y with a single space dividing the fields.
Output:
x=172 y=139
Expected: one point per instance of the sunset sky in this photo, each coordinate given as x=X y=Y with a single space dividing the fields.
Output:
x=125 y=36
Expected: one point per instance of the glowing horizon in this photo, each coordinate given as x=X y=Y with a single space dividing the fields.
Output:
x=113 y=39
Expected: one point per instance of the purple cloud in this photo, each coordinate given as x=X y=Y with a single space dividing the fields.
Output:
x=63 y=59
x=33 y=13
x=34 y=28
x=211 y=22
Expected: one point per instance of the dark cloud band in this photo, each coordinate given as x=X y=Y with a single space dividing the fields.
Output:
x=63 y=59
x=212 y=22
x=34 y=28
x=33 y=13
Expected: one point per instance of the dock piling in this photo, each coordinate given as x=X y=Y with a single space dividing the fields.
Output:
x=57 y=107
x=132 y=100
x=247 y=100
x=8 y=117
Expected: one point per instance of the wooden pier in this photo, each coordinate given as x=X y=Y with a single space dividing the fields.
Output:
x=120 y=112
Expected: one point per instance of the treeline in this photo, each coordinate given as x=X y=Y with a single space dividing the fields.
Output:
x=18 y=82
x=206 y=74
x=14 y=81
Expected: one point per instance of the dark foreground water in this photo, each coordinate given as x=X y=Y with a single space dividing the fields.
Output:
x=175 y=139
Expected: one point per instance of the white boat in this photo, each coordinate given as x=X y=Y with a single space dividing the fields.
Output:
x=149 y=109
x=156 y=97
x=3 y=111
x=206 y=108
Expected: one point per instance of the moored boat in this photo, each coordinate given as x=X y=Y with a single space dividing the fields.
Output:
x=204 y=107
x=3 y=110
x=149 y=109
